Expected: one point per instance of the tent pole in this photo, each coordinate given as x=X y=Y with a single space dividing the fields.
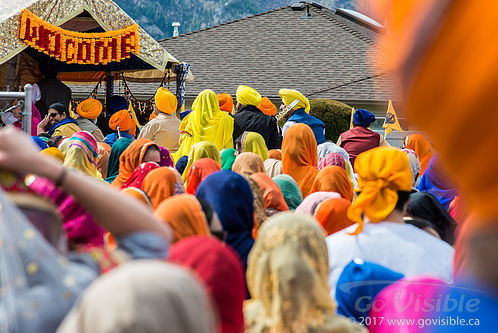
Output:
x=26 y=115
x=109 y=88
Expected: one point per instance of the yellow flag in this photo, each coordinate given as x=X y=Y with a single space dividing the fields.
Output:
x=391 y=123
x=71 y=112
x=352 y=114
x=133 y=115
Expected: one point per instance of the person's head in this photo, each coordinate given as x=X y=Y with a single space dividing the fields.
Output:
x=383 y=175
x=290 y=95
x=54 y=141
x=247 y=96
x=363 y=118
x=164 y=101
x=121 y=119
x=18 y=110
x=226 y=102
x=116 y=103
x=423 y=225
x=57 y=112
x=152 y=154
x=49 y=68
x=90 y=108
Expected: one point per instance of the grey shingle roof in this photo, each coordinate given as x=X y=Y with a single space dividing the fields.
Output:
x=323 y=57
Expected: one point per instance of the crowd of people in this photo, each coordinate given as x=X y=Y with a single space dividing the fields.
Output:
x=217 y=219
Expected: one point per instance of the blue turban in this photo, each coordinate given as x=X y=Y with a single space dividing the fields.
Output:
x=358 y=284
x=363 y=117
x=181 y=164
x=116 y=103
x=39 y=142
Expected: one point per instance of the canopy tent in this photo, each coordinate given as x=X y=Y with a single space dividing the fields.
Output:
x=19 y=62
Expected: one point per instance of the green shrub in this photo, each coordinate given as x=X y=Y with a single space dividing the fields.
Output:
x=336 y=116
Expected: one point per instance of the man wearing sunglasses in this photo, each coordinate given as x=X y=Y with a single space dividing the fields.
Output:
x=62 y=123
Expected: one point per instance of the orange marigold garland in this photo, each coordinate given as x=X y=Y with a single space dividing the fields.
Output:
x=77 y=47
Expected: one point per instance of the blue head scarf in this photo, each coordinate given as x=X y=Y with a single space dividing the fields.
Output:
x=436 y=182
x=181 y=164
x=39 y=142
x=232 y=199
x=363 y=117
x=358 y=285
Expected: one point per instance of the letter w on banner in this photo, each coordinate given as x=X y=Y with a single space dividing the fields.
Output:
x=391 y=123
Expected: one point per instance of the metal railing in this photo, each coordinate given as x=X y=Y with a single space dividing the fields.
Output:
x=26 y=114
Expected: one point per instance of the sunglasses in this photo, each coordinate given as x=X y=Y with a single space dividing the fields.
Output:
x=53 y=114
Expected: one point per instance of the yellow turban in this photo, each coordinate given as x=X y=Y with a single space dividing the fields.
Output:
x=90 y=108
x=165 y=101
x=248 y=96
x=290 y=95
x=122 y=119
x=382 y=172
x=54 y=152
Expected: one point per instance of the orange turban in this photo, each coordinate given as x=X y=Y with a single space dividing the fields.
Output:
x=267 y=107
x=165 y=101
x=226 y=102
x=90 y=108
x=122 y=119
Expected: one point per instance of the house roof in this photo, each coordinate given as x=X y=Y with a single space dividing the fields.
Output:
x=325 y=56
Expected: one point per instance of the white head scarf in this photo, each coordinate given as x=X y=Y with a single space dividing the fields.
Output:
x=329 y=147
x=142 y=296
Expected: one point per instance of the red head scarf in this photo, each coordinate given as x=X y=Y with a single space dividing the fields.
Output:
x=219 y=267
x=271 y=192
x=138 y=175
x=199 y=171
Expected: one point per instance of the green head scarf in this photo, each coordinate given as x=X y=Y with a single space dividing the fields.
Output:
x=113 y=165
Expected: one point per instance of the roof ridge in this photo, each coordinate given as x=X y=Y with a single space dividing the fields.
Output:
x=347 y=83
x=225 y=23
x=331 y=16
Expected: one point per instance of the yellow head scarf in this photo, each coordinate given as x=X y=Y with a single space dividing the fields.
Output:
x=248 y=96
x=90 y=108
x=253 y=142
x=206 y=122
x=200 y=150
x=165 y=101
x=54 y=152
x=76 y=158
x=289 y=95
x=381 y=172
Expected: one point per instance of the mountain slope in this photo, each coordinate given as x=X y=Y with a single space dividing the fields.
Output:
x=156 y=16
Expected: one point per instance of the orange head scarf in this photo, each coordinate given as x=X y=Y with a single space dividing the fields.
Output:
x=333 y=215
x=247 y=164
x=271 y=192
x=159 y=184
x=422 y=148
x=131 y=158
x=199 y=171
x=445 y=56
x=334 y=179
x=185 y=216
x=267 y=107
x=122 y=119
x=275 y=154
x=226 y=102
x=299 y=156
x=138 y=194
x=103 y=158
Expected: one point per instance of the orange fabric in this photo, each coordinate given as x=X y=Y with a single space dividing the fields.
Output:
x=226 y=102
x=130 y=159
x=199 y=171
x=103 y=159
x=334 y=179
x=267 y=107
x=138 y=194
x=247 y=164
x=152 y=116
x=185 y=216
x=299 y=156
x=275 y=154
x=105 y=146
x=271 y=192
x=122 y=119
x=159 y=184
x=452 y=90
x=333 y=215
x=422 y=147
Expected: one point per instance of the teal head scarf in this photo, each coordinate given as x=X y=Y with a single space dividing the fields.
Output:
x=290 y=189
x=227 y=159
x=113 y=165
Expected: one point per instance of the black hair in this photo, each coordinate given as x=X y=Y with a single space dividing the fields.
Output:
x=152 y=148
x=403 y=197
x=420 y=223
x=44 y=135
x=61 y=108
x=54 y=141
